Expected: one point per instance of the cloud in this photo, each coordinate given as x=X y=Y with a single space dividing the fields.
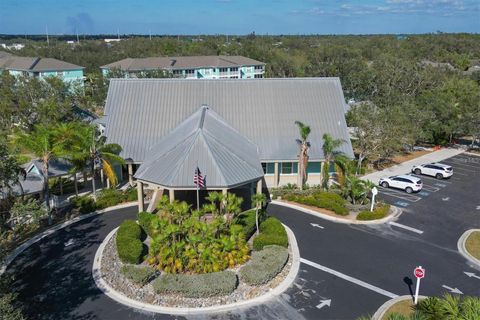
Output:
x=80 y=23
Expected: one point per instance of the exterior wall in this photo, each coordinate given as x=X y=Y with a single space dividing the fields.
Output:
x=313 y=173
x=67 y=75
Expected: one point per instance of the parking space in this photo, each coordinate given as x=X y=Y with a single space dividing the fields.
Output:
x=464 y=166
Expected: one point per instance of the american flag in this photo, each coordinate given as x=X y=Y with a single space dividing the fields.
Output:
x=198 y=179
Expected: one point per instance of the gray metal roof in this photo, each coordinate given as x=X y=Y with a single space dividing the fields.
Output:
x=139 y=112
x=33 y=183
x=56 y=167
x=224 y=157
x=171 y=63
x=35 y=64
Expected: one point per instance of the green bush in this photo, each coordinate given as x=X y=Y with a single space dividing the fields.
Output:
x=145 y=221
x=130 y=195
x=197 y=285
x=108 y=198
x=247 y=221
x=140 y=275
x=129 y=246
x=326 y=200
x=129 y=229
x=85 y=204
x=264 y=265
x=272 y=232
x=378 y=213
x=68 y=185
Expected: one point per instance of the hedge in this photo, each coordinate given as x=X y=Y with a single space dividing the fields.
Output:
x=264 y=265
x=129 y=246
x=197 y=285
x=326 y=200
x=85 y=204
x=272 y=232
x=145 y=221
x=247 y=221
x=378 y=213
x=140 y=275
x=108 y=198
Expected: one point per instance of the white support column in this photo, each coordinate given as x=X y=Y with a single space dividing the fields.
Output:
x=141 y=204
x=157 y=195
x=259 y=186
x=171 y=195
x=276 y=175
x=130 y=174
x=102 y=177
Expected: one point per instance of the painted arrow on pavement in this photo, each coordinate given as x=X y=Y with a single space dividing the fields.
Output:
x=452 y=290
x=324 y=303
x=471 y=275
x=316 y=225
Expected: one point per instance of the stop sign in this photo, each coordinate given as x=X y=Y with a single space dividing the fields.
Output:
x=419 y=272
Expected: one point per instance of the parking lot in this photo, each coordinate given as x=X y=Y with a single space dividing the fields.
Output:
x=443 y=209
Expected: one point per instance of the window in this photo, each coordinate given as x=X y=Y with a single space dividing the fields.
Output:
x=313 y=167
x=177 y=72
x=288 y=167
x=258 y=67
x=259 y=76
x=268 y=168
x=189 y=71
x=223 y=69
x=235 y=69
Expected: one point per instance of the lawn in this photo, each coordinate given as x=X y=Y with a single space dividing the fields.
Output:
x=473 y=244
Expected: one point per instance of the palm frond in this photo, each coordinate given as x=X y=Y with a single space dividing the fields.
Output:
x=111 y=175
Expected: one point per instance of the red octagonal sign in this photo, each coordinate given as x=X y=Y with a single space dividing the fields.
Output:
x=419 y=272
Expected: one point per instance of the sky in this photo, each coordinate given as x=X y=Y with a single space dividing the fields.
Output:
x=238 y=16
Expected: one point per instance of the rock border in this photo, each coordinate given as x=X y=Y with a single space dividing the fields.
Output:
x=384 y=307
x=18 y=250
x=391 y=217
x=122 y=299
x=463 y=250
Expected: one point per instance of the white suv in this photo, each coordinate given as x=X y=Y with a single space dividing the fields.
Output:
x=404 y=182
x=437 y=170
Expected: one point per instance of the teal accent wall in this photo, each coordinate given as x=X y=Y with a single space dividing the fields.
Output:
x=313 y=167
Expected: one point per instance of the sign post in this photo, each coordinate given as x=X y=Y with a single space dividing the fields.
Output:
x=419 y=273
x=374 y=193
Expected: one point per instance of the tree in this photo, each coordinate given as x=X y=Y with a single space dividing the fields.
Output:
x=43 y=142
x=10 y=171
x=259 y=200
x=329 y=147
x=303 y=154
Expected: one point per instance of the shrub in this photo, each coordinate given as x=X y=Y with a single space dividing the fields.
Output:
x=109 y=197
x=247 y=221
x=129 y=246
x=272 y=232
x=378 y=213
x=197 y=285
x=264 y=265
x=326 y=200
x=145 y=221
x=85 y=204
x=130 y=195
x=140 y=275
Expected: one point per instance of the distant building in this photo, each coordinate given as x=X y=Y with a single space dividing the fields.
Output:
x=112 y=40
x=41 y=68
x=14 y=46
x=193 y=67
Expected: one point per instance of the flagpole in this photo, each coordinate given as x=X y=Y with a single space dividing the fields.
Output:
x=198 y=198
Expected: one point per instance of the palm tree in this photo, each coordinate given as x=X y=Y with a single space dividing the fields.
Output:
x=329 y=146
x=303 y=154
x=43 y=142
x=259 y=200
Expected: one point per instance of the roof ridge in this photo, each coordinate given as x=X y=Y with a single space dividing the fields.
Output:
x=224 y=182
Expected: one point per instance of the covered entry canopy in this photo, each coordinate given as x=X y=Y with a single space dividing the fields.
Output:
x=225 y=158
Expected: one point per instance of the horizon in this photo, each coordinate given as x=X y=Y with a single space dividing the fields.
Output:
x=235 y=17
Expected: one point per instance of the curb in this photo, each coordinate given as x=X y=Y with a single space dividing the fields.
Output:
x=122 y=299
x=384 y=307
x=463 y=250
x=12 y=256
x=394 y=216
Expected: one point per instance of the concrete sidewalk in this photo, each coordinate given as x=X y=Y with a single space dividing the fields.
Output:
x=405 y=167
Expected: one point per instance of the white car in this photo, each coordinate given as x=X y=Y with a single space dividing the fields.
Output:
x=437 y=170
x=405 y=182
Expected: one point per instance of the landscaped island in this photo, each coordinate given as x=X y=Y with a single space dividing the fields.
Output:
x=179 y=257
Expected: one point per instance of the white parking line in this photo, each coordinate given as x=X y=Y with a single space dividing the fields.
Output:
x=350 y=279
x=405 y=227
x=456 y=165
x=430 y=188
x=399 y=194
x=430 y=178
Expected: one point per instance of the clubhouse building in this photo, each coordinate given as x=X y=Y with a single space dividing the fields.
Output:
x=241 y=134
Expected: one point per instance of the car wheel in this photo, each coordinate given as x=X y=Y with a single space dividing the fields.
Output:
x=439 y=176
x=409 y=190
x=384 y=184
x=417 y=171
